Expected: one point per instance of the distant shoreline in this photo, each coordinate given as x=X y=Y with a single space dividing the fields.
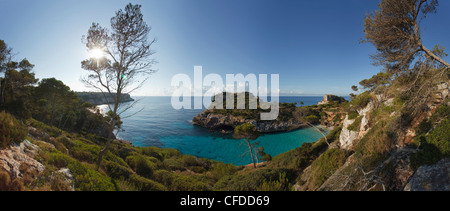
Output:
x=97 y=98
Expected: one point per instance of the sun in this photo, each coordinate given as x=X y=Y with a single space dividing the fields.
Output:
x=96 y=53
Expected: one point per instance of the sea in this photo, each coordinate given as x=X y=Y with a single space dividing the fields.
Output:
x=152 y=121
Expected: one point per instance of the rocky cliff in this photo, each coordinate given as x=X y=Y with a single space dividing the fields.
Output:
x=396 y=169
x=348 y=138
x=227 y=122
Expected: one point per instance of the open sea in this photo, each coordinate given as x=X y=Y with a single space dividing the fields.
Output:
x=160 y=125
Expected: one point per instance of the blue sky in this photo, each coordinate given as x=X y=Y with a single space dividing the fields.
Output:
x=313 y=45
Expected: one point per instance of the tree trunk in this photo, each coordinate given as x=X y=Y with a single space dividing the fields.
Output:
x=111 y=128
x=251 y=152
x=108 y=143
x=432 y=55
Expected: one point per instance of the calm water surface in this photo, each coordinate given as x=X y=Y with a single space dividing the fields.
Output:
x=158 y=124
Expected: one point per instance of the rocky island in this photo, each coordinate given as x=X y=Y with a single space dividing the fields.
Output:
x=290 y=117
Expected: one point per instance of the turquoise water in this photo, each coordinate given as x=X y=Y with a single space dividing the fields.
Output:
x=158 y=124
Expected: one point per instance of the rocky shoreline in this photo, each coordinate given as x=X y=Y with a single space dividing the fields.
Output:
x=225 y=123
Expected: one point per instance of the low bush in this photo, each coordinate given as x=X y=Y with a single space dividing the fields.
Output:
x=222 y=169
x=250 y=181
x=434 y=146
x=11 y=130
x=362 y=100
x=324 y=166
x=312 y=119
x=164 y=177
x=59 y=159
x=281 y=184
x=352 y=115
x=159 y=153
x=88 y=179
x=116 y=171
x=189 y=160
x=141 y=165
x=173 y=164
x=299 y=158
x=355 y=126
x=334 y=134
x=144 y=184
x=187 y=183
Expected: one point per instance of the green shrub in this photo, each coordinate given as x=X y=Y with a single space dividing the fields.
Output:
x=334 y=134
x=59 y=159
x=324 y=166
x=312 y=119
x=164 y=177
x=141 y=165
x=434 y=146
x=197 y=169
x=82 y=155
x=299 y=158
x=362 y=100
x=281 y=184
x=84 y=151
x=173 y=164
x=377 y=141
x=116 y=159
x=187 y=183
x=116 y=171
x=337 y=118
x=88 y=179
x=152 y=152
x=222 y=169
x=441 y=112
x=355 y=126
x=11 y=130
x=353 y=115
x=189 y=160
x=424 y=127
x=144 y=184
x=125 y=185
x=159 y=153
x=251 y=181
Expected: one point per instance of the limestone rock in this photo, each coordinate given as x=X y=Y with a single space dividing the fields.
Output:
x=347 y=137
x=431 y=178
x=18 y=155
x=68 y=178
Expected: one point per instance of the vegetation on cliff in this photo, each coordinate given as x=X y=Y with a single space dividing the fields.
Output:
x=290 y=116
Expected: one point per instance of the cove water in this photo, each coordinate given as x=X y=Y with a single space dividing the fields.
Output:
x=158 y=124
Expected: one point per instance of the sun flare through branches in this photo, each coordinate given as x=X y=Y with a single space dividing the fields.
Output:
x=96 y=53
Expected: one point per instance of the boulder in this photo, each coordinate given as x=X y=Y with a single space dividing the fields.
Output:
x=431 y=177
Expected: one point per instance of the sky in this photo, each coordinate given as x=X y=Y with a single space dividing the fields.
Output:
x=314 y=46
